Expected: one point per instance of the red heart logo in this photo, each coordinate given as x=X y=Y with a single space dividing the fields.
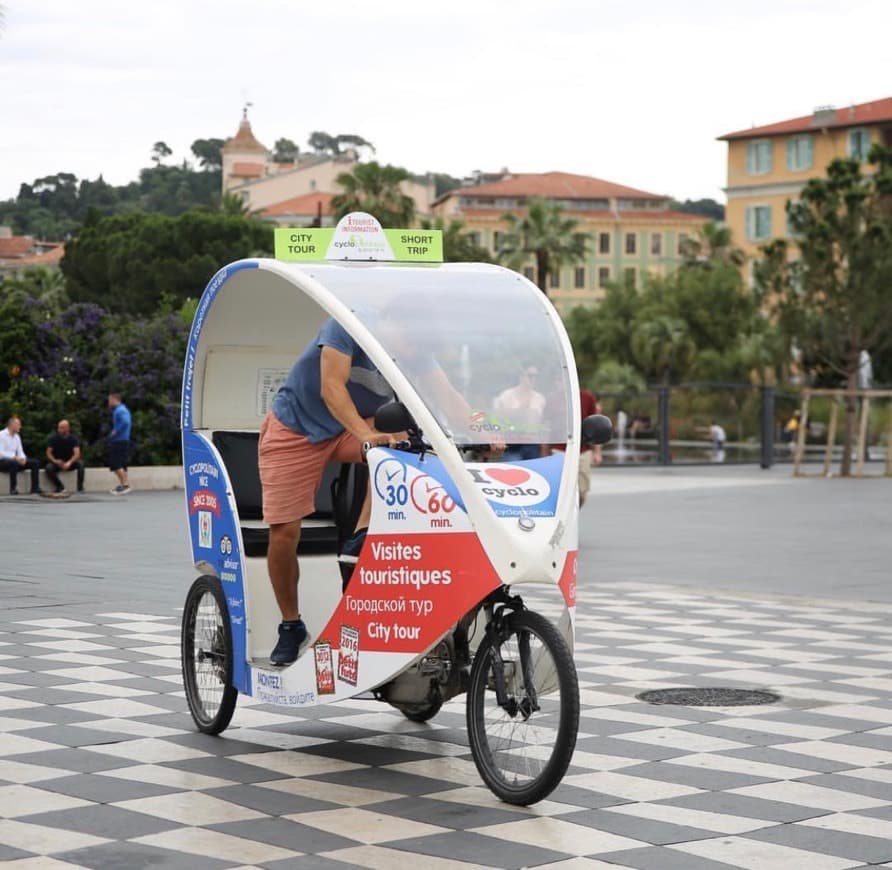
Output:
x=508 y=476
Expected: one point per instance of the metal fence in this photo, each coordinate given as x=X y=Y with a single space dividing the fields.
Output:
x=672 y=425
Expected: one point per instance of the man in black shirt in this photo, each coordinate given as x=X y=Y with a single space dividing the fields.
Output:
x=64 y=453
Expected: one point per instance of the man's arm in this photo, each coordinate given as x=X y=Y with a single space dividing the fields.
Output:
x=334 y=367
x=75 y=456
x=51 y=457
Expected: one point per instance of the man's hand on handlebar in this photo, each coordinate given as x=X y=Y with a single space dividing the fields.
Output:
x=374 y=438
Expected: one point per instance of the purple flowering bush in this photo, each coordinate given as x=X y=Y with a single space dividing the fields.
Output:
x=64 y=363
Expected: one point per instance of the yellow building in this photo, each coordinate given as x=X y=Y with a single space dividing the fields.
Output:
x=631 y=232
x=768 y=166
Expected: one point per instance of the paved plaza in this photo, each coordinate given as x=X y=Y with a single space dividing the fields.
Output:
x=702 y=577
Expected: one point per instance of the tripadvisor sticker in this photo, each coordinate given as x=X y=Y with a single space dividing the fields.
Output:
x=358 y=236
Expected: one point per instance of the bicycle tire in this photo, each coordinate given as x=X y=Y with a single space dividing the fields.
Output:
x=519 y=767
x=206 y=649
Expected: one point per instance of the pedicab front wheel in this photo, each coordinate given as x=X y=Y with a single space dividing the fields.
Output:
x=523 y=708
x=207 y=656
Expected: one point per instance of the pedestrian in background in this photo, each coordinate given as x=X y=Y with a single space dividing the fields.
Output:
x=64 y=453
x=13 y=459
x=119 y=443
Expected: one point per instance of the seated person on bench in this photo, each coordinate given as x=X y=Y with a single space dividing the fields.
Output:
x=64 y=454
x=13 y=459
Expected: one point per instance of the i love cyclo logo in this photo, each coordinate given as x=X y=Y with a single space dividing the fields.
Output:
x=510 y=484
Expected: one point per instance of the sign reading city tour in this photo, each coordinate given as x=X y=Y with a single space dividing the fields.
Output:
x=358 y=236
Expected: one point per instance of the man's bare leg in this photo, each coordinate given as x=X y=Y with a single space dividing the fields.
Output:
x=365 y=513
x=281 y=562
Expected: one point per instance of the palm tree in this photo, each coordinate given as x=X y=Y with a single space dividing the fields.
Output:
x=663 y=345
x=232 y=204
x=713 y=244
x=458 y=243
x=43 y=283
x=545 y=234
x=375 y=189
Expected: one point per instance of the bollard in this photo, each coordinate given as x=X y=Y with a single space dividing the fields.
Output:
x=768 y=394
x=665 y=456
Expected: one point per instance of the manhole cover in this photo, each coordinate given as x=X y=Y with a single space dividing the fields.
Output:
x=709 y=697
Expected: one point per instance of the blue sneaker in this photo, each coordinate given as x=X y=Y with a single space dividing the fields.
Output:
x=349 y=556
x=292 y=635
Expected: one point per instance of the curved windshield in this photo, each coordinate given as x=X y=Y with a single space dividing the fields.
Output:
x=476 y=343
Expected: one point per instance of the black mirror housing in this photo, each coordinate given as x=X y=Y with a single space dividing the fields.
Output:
x=596 y=429
x=394 y=417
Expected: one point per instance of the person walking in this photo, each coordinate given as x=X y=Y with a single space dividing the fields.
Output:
x=119 y=443
x=64 y=453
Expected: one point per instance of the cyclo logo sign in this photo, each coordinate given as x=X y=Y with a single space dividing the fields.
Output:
x=510 y=484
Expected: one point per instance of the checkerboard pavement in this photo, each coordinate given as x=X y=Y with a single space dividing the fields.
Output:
x=100 y=765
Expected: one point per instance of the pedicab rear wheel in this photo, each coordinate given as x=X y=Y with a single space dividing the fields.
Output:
x=207 y=656
x=522 y=747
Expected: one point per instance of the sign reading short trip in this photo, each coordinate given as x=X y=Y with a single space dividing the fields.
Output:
x=358 y=236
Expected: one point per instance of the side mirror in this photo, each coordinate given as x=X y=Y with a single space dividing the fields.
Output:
x=596 y=429
x=394 y=417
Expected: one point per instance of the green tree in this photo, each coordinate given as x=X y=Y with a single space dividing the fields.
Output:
x=605 y=332
x=706 y=207
x=617 y=379
x=544 y=234
x=160 y=152
x=127 y=263
x=458 y=244
x=835 y=299
x=285 y=151
x=324 y=143
x=712 y=244
x=209 y=153
x=375 y=189
x=351 y=140
x=233 y=204
x=663 y=347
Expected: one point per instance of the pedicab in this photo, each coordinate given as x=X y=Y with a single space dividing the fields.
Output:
x=434 y=605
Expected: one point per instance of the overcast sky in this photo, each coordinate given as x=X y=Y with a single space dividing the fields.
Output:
x=633 y=92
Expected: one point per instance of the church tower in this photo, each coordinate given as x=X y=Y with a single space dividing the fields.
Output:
x=244 y=158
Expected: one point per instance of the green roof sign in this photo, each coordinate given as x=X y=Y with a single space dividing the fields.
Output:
x=358 y=236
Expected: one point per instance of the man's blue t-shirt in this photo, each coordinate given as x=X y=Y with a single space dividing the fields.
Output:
x=299 y=404
x=120 y=423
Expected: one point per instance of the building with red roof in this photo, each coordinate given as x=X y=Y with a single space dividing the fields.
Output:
x=632 y=233
x=21 y=252
x=768 y=165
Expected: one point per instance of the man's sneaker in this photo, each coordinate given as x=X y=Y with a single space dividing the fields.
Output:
x=292 y=635
x=120 y=490
x=349 y=556
x=60 y=488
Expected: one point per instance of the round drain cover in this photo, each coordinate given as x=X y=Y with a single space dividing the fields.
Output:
x=708 y=697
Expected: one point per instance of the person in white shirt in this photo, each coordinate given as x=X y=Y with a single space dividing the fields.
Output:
x=13 y=459
x=522 y=406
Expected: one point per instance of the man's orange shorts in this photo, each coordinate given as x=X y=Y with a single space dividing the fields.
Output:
x=291 y=468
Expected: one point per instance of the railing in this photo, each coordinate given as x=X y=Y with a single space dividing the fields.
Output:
x=670 y=425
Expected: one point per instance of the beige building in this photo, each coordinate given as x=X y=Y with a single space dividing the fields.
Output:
x=769 y=165
x=294 y=194
x=632 y=233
